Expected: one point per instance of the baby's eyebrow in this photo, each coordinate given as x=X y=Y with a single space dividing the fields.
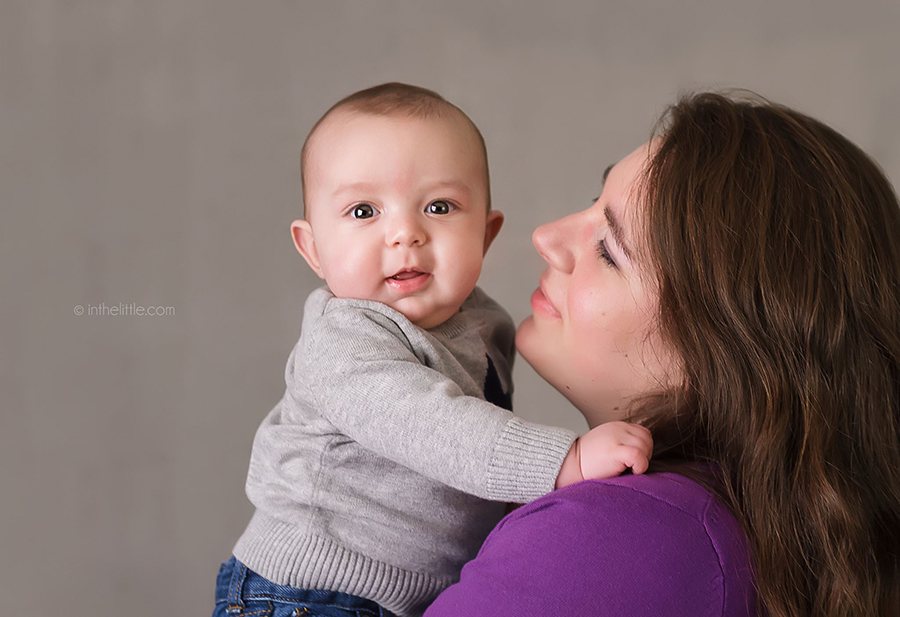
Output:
x=354 y=186
x=457 y=185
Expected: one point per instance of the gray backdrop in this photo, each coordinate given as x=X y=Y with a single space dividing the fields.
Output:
x=150 y=159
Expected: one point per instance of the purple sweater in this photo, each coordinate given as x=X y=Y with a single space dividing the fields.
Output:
x=656 y=544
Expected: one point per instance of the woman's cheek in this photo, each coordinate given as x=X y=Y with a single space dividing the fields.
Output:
x=589 y=337
x=595 y=311
x=604 y=326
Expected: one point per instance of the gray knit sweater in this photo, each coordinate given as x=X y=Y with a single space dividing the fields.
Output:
x=383 y=468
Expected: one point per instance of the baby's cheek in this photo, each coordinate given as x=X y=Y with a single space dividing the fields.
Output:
x=463 y=264
x=349 y=274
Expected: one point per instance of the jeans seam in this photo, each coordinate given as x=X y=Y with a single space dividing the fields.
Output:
x=235 y=602
x=269 y=596
x=236 y=598
x=268 y=610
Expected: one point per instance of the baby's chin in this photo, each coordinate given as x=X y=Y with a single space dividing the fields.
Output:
x=422 y=312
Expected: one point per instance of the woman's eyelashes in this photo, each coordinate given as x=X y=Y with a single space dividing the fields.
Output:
x=603 y=253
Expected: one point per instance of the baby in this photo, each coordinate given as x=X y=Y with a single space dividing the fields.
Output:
x=393 y=451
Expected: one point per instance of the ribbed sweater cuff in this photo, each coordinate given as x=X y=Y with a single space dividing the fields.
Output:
x=527 y=460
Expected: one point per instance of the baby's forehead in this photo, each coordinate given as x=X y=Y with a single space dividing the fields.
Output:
x=351 y=136
x=343 y=122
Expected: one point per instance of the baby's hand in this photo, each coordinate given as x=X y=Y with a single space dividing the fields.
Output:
x=606 y=451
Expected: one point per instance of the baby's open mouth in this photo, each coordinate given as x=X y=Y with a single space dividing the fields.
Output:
x=407 y=274
x=408 y=281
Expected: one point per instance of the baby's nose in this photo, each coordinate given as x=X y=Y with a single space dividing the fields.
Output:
x=406 y=231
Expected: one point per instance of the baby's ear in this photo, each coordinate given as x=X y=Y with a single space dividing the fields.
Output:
x=494 y=223
x=306 y=245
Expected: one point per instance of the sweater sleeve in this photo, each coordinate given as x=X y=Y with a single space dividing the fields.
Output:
x=603 y=550
x=370 y=384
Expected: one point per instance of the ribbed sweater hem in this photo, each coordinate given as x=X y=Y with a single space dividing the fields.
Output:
x=284 y=554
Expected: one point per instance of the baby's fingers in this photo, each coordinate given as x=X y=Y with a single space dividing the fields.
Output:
x=642 y=433
x=634 y=457
x=643 y=442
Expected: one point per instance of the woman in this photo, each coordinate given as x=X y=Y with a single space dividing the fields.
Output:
x=736 y=287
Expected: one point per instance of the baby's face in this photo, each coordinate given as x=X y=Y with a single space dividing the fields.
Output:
x=398 y=212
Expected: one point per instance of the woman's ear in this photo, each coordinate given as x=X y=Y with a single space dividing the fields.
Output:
x=306 y=245
x=494 y=223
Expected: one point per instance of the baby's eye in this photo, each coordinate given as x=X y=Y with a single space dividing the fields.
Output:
x=362 y=211
x=439 y=207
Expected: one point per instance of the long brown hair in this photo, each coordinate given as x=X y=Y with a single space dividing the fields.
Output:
x=777 y=247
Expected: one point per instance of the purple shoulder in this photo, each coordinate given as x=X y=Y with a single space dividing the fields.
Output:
x=654 y=544
x=663 y=490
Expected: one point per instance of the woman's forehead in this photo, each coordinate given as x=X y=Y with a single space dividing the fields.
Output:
x=619 y=184
x=626 y=170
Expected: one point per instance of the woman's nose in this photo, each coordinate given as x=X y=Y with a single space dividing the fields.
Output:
x=554 y=242
x=406 y=231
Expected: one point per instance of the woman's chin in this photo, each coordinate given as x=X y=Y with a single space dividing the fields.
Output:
x=541 y=352
x=538 y=355
x=524 y=333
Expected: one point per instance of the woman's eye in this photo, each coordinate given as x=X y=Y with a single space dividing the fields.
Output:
x=439 y=207
x=603 y=254
x=362 y=211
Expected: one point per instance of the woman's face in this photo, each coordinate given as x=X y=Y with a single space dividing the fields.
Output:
x=592 y=334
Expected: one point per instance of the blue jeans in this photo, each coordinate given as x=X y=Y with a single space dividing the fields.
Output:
x=241 y=592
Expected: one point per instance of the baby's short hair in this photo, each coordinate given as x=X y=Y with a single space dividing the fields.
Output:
x=395 y=99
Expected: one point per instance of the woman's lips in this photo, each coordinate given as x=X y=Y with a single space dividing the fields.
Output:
x=408 y=281
x=540 y=304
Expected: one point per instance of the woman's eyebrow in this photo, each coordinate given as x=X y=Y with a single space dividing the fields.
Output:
x=618 y=233
x=605 y=174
